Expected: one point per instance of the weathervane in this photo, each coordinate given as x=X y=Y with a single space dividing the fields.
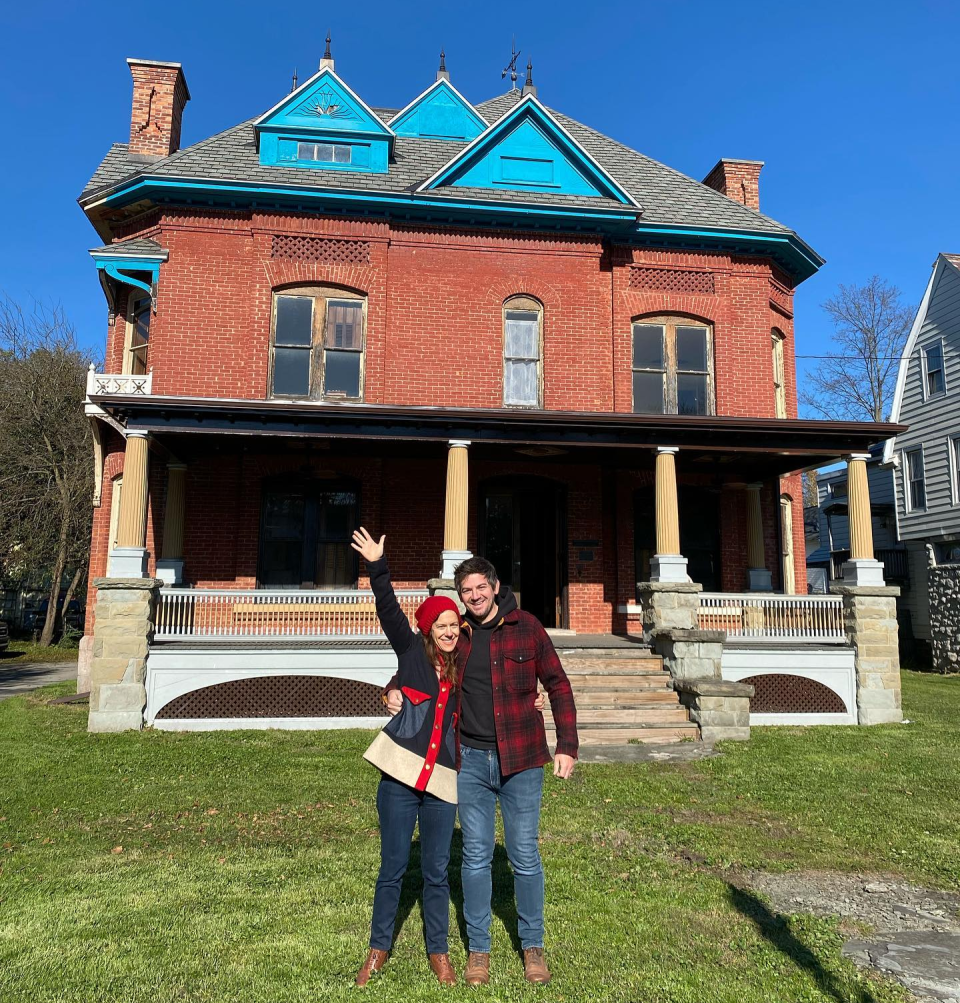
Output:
x=511 y=67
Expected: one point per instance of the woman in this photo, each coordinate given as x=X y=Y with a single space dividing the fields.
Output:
x=416 y=753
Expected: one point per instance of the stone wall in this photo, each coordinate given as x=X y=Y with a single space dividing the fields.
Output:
x=943 y=583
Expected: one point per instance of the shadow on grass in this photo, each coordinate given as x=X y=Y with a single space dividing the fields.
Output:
x=503 y=904
x=775 y=929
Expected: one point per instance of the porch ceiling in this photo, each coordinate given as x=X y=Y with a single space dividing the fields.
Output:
x=751 y=447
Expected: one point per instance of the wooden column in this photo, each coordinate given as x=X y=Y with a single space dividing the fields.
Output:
x=173 y=516
x=858 y=507
x=862 y=568
x=132 y=526
x=668 y=565
x=457 y=507
x=758 y=577
x=129 y=558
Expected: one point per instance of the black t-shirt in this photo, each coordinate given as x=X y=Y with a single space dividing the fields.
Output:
x=477 y=727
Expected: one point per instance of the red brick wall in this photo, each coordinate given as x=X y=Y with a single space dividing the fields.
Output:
x=159 y=95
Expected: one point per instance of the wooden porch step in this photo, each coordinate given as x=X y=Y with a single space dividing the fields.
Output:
x=611 y=666
x=583 y=683
x=620 y=716
x=623 y=698
x=655 y=734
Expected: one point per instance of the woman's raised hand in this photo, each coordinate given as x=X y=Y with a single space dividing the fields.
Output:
x=366 y=546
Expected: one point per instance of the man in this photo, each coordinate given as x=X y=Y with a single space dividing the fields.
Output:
x=501 y=655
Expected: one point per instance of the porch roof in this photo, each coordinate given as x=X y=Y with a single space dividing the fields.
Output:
x=755 y=445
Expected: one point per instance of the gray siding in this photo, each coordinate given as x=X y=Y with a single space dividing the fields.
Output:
x=932 y=422
x=882 y=492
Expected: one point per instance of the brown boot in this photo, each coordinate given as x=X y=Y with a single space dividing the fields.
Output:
x=440 y=963
x=376 y=959
x=535 y=965
x=477 y=972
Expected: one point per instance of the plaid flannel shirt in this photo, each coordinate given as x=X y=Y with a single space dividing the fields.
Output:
x=521 y=653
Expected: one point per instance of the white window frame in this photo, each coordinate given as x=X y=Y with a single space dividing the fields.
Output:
x=126 y=366
x=905 y=464
x=522 y=304
x=953 y=461
x=778 y=339
x=927 y=395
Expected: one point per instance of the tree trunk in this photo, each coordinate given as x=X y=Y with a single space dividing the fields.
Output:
x=53 y=598
x=71 y=591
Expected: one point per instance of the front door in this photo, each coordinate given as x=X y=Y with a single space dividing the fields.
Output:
x=523 y=533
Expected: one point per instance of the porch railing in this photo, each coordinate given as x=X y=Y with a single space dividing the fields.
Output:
x=753 y=617
x=107 y=384
x=249 y=613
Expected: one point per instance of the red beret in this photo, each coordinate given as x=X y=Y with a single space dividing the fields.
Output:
x=430 y=609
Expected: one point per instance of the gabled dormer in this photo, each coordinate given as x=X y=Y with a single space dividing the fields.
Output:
x=324 y=124
x=440 y=112
x=527 y=149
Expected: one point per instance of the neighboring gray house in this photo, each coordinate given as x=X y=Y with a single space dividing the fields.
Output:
x=824 y=563
x=926 y=461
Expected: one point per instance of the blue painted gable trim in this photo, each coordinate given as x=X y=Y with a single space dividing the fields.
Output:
x=324 y=111
x=440 y=112
x=528 y=150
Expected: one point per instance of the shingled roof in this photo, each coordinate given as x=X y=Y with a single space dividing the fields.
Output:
x=665 y=195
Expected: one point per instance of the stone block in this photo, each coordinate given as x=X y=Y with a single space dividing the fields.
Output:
x=878 y=699
x=724 y=734
x=108 y=670
x=120 y=647
x=873 y=715
x=112 y=721
x=115 y=610
x=85 y=663
x=719 y=719
x=126 y=697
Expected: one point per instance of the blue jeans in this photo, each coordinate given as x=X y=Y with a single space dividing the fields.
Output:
x=479 y=785
x=400 y=808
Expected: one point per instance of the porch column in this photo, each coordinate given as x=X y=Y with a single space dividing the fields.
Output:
x=170 y=563
x=667 y=564
x=455 y=514
x=129 y=558
x=862 y=568
x=758 y=577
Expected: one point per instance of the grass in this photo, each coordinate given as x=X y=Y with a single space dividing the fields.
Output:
x=21 y=652
x=240 y=866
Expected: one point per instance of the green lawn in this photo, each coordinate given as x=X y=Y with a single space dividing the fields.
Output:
x=240 y=866
x=26 y=651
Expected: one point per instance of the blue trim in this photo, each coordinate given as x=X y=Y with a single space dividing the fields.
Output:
x=789 y=250
x=440 y=112
x=116 y=265
x=526 y=131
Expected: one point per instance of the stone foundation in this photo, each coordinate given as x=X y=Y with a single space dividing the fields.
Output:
x=870 y=619
x=445 y=587
x=720 y=707
x=121 y=638
x=668 y=604
x=943 y=583
x=84 y=663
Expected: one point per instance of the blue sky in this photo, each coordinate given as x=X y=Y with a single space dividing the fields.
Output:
x=852 y=105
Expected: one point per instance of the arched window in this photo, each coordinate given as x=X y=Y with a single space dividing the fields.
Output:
x=672 y=366
x=779 y=379
x=138 y=335
x=522 y=352
x=317 y=343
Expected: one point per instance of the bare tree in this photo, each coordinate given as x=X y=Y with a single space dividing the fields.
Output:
x=856 y=381
x=46 y=473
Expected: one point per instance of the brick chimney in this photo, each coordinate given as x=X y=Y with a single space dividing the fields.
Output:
x=738 y=180
x=159 y=94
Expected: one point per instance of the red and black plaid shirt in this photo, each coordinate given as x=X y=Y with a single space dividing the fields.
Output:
x=521 y=653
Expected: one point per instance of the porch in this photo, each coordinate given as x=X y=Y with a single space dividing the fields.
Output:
x=247 y=515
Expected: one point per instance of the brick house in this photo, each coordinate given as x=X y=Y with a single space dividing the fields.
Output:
x=475 y=328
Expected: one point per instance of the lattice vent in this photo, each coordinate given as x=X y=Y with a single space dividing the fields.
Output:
x=298 y=248
x=279 y=696
x=783 y=694
x=672 y=280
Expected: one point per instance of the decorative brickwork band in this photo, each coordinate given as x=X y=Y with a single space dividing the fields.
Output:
x=295 y=247
x=672 y=280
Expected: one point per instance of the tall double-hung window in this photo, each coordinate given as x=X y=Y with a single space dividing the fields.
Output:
x=522 y=352
x=138 y=336
x=318 y=344
x=672 y=366
x=915 y=482
x=934 y=382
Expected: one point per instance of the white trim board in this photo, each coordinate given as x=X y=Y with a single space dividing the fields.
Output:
x=263 y=723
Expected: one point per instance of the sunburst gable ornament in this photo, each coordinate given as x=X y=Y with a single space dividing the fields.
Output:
x=326 y=104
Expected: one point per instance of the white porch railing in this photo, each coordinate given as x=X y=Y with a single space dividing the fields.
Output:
x=767 y=617
x=252 y=613
x=107 y=384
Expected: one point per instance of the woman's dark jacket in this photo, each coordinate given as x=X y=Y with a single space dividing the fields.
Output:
x=417 y=747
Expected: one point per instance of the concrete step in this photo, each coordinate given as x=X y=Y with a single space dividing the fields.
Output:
x=616 y=735
x=621 y=717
